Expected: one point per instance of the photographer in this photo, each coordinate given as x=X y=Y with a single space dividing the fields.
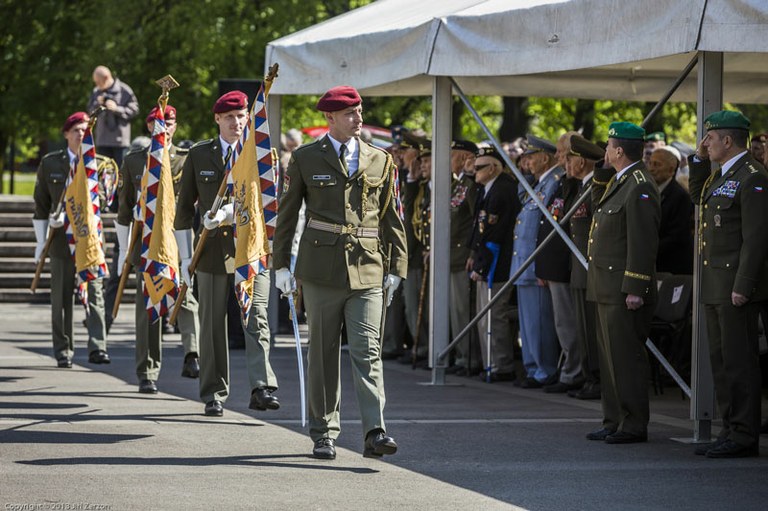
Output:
x=113 y=131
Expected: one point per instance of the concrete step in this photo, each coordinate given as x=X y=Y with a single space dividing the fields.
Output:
x=27 y=234
x=24 y=296
x=26 y=249
x=15 y=220
x=19 y=204
x=24 y=280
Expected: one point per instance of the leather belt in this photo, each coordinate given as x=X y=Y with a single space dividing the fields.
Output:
x=360 y=232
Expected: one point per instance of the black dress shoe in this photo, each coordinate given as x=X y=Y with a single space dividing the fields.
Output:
x=531 y=383
x=64 y=362
x=147 y=387
x=214 y=408
x=497 y=377
x=262 y=399
x=624 y=437
x=325 y=449
x=730 y=449
x=561 y=387
x=378 y=444
x=764 y=428
x=99 y=357
x=600 y=434
x=390 y=355
x=191 y=367
x=702 y=449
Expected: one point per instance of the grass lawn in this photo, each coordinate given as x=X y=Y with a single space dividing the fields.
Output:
x=24 y=184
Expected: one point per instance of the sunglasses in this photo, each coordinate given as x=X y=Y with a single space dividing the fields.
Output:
x=478 y=168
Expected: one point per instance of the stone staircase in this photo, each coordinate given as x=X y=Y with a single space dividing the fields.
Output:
x=17 y=251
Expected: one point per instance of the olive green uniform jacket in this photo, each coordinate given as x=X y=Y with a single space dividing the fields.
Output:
x=734 y=244
x=624 y=239
x=365 y=199
x=202 y=173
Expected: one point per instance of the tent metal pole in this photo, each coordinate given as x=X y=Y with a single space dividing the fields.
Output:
x=663 y=101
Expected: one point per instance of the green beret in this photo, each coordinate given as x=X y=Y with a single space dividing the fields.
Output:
x=626 y=130
x=582 y=147
x=726 y=119
x=656 y=136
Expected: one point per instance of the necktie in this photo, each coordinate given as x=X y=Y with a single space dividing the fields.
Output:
x=342 y=157
x=228 y=156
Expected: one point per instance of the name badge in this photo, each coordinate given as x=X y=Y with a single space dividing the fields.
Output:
x=207 y=173
x=56 y=176
x=321 y=177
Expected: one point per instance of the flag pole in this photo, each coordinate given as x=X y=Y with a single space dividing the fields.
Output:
x=166 y=83
x=217 y=202
x=44 y=255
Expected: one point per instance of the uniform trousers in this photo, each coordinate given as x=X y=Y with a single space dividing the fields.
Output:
x=467 y=349
x=149 y=354
x=412 y=294
x=214 y=350
x=537 y=330
x=62 y=300
x=624 y=369
x=502 y=336
x=586 y=333
x=735 y=357
x=360 y=311
x=395 y=328
x=565 y=326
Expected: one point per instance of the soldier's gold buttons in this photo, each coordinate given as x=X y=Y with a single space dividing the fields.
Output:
x=610 y=267
x=349 y=206
x=224 y=233
x=600 y=210
x=705 y=224
x=349 y=246
x=590 y=258
x=705 y=262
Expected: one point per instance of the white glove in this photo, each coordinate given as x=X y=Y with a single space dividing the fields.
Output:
x=137 y=213
x=41 y=235
x=284 y=281
x=224 y=215
x=56 y=220
x=391 y=283
x=184 y=242
x=123 y=235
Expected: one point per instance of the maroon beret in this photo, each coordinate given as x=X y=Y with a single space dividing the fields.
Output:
x=339 y=98
x=75 y=118
x=233 y=100
x=170 y=113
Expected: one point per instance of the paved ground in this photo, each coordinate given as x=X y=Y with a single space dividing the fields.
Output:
x=85 y=439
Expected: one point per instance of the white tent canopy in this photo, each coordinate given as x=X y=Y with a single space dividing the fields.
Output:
x=577 y=48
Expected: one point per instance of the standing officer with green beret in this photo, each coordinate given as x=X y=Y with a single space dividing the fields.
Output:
x=202 y=174
x=733 y=202
x=50 y=183
x=149 y=354
x=352 y=222
x=621 y=279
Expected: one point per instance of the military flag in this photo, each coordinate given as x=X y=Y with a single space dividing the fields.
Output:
x=252 y=186
x=159 y=254
x=82 y=222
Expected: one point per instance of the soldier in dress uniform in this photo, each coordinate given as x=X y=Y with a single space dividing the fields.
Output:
x=49 y=186
x=496 y=208
x=580 y=164
x=352 y=223
x=534 y=301
x=201 y=176
x=149 y=353
x=733 y=208
x=622 y=282
x=463 y=197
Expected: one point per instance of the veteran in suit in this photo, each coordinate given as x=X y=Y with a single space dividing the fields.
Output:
x=733 y=208
x=202 y=174
x=621 y=280
x=352 y=222
x=49 y=186
x=149 y=354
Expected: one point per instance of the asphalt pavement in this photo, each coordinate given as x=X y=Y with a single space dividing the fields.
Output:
x=84 y=438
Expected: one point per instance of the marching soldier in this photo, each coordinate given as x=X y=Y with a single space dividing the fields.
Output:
x=734 y=278
x=201 y=177
x=149 y=353
x=352 y=221
x=622 y=282
x=49 y=186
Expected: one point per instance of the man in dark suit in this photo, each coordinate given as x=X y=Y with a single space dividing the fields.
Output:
x=495 y=212
x=352 y=222
x=201 y=177
x=676 y=230
x=734 y=278
x=622 y=282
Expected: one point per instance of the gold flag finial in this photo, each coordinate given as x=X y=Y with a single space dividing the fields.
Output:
x=167 y=83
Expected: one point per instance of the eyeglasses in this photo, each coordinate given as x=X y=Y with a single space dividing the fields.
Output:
x=478 y=168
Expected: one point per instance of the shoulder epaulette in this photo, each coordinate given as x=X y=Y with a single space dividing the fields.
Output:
x=53 y=154
x=202 y=143
x=307 y=146
x=140 y=149
x=639 y=176
x=181 y=150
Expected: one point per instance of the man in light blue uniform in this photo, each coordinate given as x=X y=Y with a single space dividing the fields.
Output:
x=537 y=324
